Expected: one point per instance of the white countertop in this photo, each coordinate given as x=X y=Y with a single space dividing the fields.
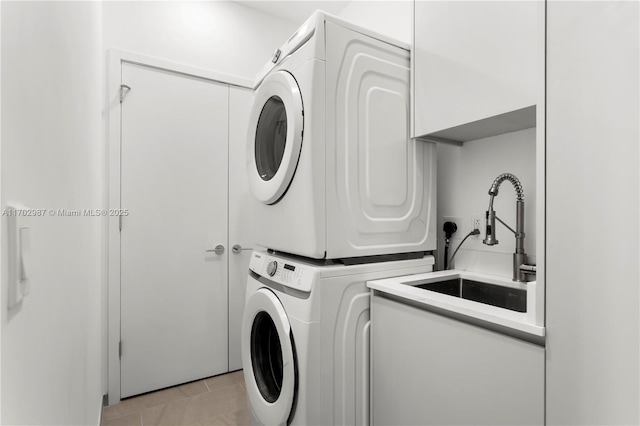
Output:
x=525 y=322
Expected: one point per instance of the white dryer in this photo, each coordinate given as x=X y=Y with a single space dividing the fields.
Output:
x=329 y=155
x=305 y=338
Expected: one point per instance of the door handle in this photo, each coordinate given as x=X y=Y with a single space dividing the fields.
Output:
x=219 y=249
x=237 y=248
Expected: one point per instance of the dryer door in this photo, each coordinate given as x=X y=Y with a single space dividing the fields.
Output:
x=268 y=358
x=275 y=136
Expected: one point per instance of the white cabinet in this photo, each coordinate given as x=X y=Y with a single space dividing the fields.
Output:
x=430 y=369
x=593 y=129
x=476 y=67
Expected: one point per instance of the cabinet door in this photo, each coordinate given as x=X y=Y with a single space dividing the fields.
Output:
x=593 y=125
x=433 y=370
x=474 y=60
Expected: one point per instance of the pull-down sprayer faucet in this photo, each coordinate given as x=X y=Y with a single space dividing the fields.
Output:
x=519 y=257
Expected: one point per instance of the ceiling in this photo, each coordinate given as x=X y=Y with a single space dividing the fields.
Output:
x=295 y=11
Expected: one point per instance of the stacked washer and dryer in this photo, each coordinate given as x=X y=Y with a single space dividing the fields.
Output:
x=343 y=196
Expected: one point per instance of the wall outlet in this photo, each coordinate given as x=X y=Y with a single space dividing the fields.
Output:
x=477 y=223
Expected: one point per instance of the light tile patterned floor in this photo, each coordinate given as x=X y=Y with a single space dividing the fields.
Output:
x=219 y=400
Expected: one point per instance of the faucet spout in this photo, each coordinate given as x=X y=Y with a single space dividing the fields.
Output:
x=519 y=256
x=495 y=186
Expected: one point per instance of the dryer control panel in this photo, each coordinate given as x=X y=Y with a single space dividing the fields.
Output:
x=283 y=271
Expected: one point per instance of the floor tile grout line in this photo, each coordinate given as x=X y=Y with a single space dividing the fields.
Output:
x=205 y=383
x=141 y=421
x=224 y=386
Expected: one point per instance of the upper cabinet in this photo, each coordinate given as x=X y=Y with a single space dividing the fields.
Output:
x=476 y=67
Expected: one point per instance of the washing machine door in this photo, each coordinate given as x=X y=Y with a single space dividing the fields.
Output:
x=268 y=358
x=275 y=136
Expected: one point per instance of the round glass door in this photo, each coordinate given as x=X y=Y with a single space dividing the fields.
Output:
x=271 y=138
x=268 y=358
x=275 y=136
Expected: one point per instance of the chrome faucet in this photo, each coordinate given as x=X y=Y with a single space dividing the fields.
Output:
x=519 y=257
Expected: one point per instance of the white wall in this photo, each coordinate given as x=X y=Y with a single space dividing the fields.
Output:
x=221 y=36
x=51 y=158
x=593 y=295
x=393 y=18
x=465 y=174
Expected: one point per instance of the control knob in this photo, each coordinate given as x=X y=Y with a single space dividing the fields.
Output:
x=272 y=267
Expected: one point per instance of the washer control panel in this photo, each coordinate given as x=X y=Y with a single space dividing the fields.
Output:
x=282 y=271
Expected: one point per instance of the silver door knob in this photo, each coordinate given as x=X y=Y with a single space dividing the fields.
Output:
x=237 y=248
x=219 y=249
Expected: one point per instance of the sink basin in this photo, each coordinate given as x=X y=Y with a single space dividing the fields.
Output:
x=491 y=301
x=513 y=299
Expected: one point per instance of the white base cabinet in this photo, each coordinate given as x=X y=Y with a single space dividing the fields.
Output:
x=429 y=369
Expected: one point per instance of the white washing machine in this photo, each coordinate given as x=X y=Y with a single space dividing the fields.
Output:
x=305 y=338
x=330 y=160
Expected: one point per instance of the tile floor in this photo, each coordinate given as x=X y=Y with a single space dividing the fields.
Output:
x=219 y=400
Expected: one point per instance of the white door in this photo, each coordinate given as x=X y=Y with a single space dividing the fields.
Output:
x=242 y=211
x=174 y=184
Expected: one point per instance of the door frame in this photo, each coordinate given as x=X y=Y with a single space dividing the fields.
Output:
x=111 y=271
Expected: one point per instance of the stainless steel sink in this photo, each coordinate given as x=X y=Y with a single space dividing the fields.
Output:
x=513 y=299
